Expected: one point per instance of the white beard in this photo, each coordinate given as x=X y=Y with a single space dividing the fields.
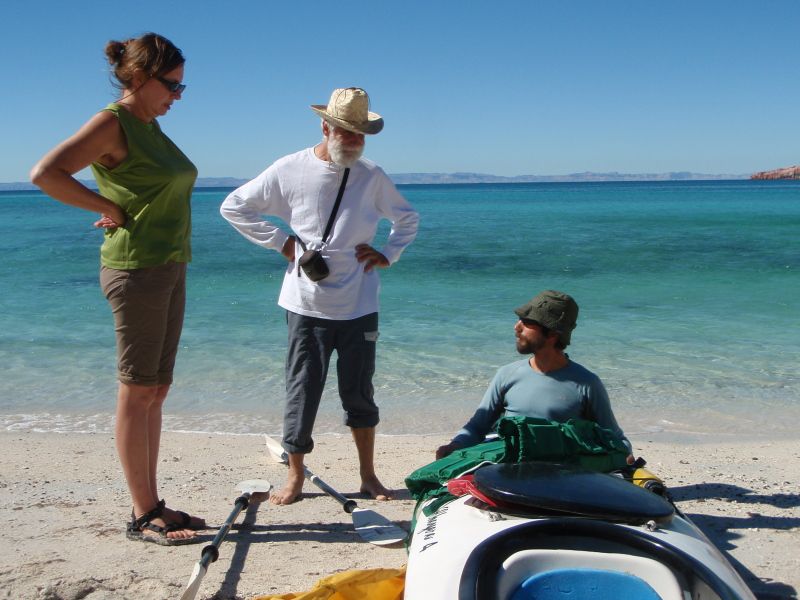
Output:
x=345 y=156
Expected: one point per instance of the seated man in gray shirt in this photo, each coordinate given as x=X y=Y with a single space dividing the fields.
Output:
x=547 y=385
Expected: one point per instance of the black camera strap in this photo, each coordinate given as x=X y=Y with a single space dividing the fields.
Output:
x=335 y=209
x=336 y=204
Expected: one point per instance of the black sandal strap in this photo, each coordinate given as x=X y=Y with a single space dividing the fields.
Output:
x=185 y=518
x=170 y=527
x=155 y=513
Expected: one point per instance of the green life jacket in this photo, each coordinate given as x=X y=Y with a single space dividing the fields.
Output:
x=522 y=439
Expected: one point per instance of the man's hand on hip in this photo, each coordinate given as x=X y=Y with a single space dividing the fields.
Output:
x=288 y=248
x=370 y=257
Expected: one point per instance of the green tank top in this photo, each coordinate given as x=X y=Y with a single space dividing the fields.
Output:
x=153 y=185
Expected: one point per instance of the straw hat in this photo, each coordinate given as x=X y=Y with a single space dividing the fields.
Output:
x=348 y=108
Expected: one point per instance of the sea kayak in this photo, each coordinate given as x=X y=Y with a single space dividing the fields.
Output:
x=550 y=531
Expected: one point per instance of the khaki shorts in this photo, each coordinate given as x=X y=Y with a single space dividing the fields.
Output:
x=148 y=306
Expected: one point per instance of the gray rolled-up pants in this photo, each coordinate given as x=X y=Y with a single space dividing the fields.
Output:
x=311 y=343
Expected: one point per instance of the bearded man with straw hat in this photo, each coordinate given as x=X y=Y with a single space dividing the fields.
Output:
x=332 y=199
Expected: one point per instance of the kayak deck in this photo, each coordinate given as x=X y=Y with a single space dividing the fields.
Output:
x=559 y=529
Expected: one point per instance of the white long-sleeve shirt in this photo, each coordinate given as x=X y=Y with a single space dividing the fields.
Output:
x=301 y=190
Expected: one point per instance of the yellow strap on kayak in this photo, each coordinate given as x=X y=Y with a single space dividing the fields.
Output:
x=369 y=584
x=649 y=481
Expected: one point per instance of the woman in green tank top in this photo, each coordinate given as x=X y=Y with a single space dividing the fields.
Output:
x=144 y=190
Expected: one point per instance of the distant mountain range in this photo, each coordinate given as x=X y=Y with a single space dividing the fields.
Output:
x=442 y=178
x=432 y=178
x=210 y=182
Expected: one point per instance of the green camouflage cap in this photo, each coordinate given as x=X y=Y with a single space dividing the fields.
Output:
x=555 y=310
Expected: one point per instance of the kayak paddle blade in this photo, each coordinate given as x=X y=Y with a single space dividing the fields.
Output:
x=194 y=582
x=276 y=451
x=376 y=529
x=257 y=490
x=254 y=486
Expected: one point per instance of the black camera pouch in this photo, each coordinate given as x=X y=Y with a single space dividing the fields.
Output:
x=313 y=265
x=311 y=261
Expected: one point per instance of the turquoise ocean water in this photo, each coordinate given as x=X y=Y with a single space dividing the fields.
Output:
x=689 y=296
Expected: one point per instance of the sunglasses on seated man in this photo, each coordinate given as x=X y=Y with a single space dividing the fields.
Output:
x=531 y=323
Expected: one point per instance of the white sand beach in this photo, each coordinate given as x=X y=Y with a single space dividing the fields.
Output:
x=64 y=505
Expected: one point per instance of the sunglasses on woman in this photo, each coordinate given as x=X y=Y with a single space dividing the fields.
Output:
x=175 y=87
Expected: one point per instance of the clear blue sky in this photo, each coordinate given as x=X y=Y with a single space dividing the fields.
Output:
x=507 y=88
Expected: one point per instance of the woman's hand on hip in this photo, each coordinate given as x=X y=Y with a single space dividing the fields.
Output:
x=116 y=217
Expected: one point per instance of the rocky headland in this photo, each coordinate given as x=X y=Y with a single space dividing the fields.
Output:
x=784 y=173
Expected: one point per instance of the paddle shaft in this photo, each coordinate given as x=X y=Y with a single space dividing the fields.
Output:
x=211 y=552
x=279 y=454
x=371 y=526
x=347 y=504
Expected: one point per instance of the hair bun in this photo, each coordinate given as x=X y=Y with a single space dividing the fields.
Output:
x=151 y=54
x=114 y=51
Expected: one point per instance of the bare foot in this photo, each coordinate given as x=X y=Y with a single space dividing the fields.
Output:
x=289 y=493
x=373 y=488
